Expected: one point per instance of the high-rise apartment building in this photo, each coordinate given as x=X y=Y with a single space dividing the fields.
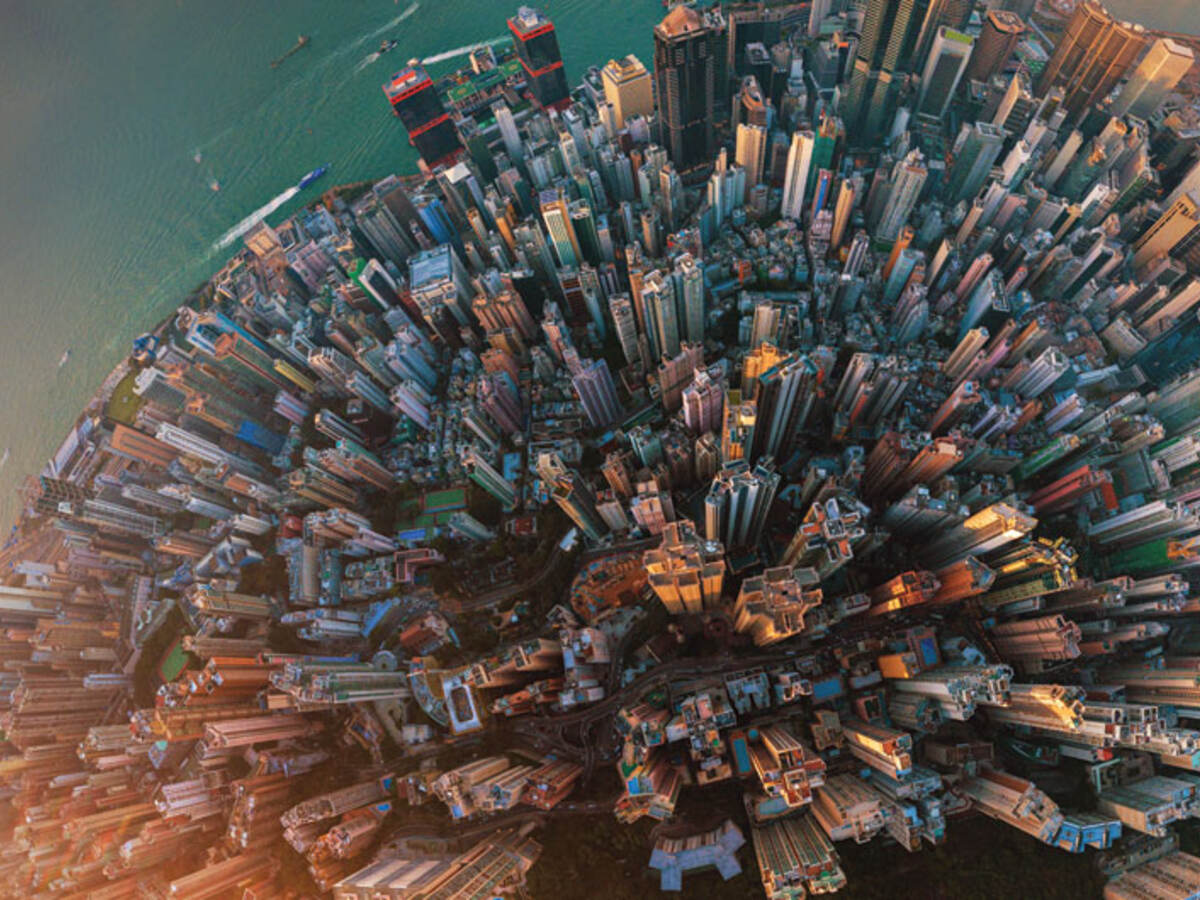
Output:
x=685 y=570
x=796 y=178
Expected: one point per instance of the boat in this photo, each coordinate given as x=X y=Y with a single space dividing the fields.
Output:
x=4 y=458
x=197 y=157
x=214 y=185
x=312 y=176
x=62 y=360
x=385 y=45
x=301 y=43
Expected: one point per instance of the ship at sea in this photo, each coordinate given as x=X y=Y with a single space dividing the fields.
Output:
x=312 y=176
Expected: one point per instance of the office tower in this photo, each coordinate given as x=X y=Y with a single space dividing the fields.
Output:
x=998 y=39
x=736 y=507
x=795 y=182
x=685 y=571
x=508 y=130
x=771 y=607
x=627 y=87
x=1161 y=69
x=557 y=218
x=1177 y=221
x=885 y=49
x=652 y=507
x=908 y=179
x=704 y=402
x=685 y=84
x=935 y=15
x=596 y=391
x=948 y=58
x=1093 y=54
x=750 y=152
x=415 y=100
x=572 y=493
x=974 y=160
x=737 y=433
x=537 y=48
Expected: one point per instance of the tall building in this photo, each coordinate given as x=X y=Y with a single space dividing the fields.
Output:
x=704 y=402
x=537 y=48
x=573 y=495
x=947 y=60
x=938 y=14
x=1093 y=54
x=685 y=571
x=750 y=152
x=973 y=161
x=556 y=216
x=416 y=102
x=885 y=47
x=998 y=39
x=1178 y=221
x=1162 y=68
x=908 y=178
x=627 y=87
x=736 y=507
x=625 y=324
x=685 y=84
x=596 y=391
x=796 y=178
x=771 y=607
x=480 y=471
x=688 y=278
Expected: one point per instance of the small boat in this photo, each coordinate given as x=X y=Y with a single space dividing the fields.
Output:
x=214 y=185
x=312 y=176
x=196 y=157
x=4 y=458
x=385 y=45
x=62 y=360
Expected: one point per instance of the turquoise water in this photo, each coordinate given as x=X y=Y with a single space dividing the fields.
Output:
x=106 y=221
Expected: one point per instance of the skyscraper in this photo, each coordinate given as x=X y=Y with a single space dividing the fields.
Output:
x=1164 y=65
x=685 y=571
x=974 y=160
x=750 y=151
x=937 y=14
x=889 y=34
x=537 y=49
x=627 y=87
x=1092 y=55
x=685 y=71
x=908 y=178
x=416 y=102
x=998 y=39
x=944 y=69
x=572 y=493
x=795 y=181
x=1179 y=220
x=557 y=218
x=597 y=393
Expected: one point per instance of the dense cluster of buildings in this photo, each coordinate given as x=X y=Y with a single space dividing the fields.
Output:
x=857 y=344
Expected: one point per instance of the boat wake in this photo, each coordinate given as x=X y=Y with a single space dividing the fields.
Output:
x=462 y=51
x=386 y=26
x=254 y=218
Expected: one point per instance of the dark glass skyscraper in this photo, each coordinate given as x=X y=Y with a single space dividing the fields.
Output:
x=886 y=47
x=415 y=100
x=685 y=84
x=537 y=48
